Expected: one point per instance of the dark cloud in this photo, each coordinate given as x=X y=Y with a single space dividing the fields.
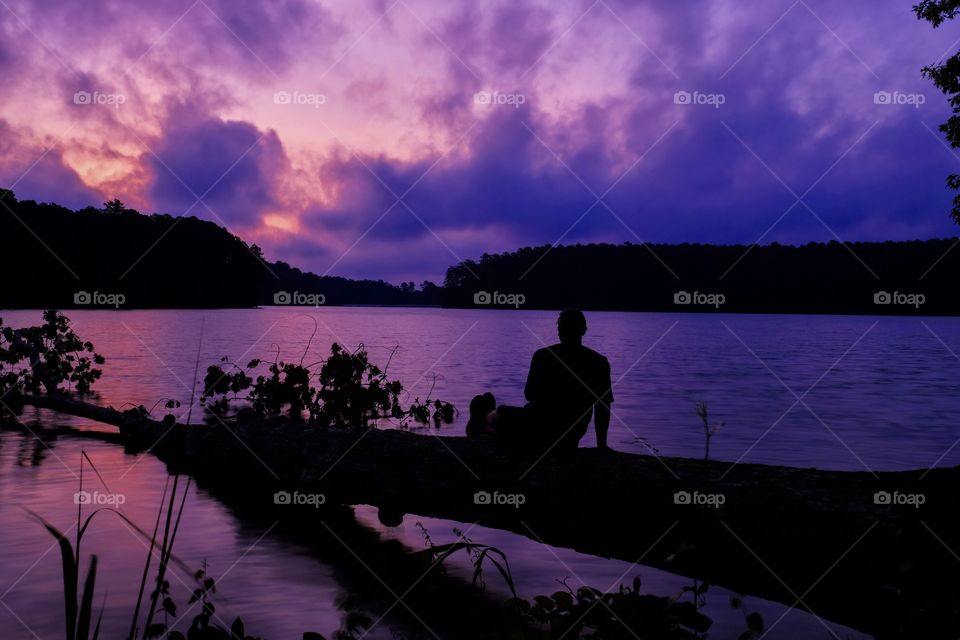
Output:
x=797 y=83
x=35 y=172
x=247 y=32
x=795 y=103
x=232 y=166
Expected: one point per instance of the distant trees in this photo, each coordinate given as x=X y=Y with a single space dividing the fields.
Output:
x=813 y=278
x=63 y=257
x=113 y=207
x=946 y=77
x=56 y=257
x=430 y=290
x=339 y=290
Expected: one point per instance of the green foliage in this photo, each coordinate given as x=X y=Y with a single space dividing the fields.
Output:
x=946 y=77
x=587 y=612
x=288 y=385
x=78 y=603
x=77 y=615
x=353 y=391
x=215 y=632
x=478 y=553
x=355 y=622
x=709 y=430
x=220 y=386
x=348 y=390
x=626 y=613
x=937 y=11
x=201 y=627
x=437 y=411
x=754 y=621
x=114 y=206
x=45 y=358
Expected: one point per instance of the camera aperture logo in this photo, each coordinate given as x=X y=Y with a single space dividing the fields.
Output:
x=98 y=98
x=298 y=499
x=715 y=100
x=496 y=98
x=299 y=99
x=914 y=300
x=515 y=300
x=96 y=498
x=899 y=98
x=298 y=299
x=899 y=499
x=98 y=299
x=715 y=500
x=496 y=498
x=697 y=298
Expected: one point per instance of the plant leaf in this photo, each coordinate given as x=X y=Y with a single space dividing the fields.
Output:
x=86 y=602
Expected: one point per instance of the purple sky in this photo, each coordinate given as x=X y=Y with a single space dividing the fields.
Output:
x=299 y=124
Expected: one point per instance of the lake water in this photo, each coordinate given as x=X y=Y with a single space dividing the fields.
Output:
x=831 y=392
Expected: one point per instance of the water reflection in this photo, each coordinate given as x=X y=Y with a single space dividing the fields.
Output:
x=283 y=584
x=280 y=577
x=877 y=393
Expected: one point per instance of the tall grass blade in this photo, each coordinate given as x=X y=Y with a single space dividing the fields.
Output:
x=69 y=576
x=146 y=566
x=96 y=630
x=86 y=601
x=164 y=552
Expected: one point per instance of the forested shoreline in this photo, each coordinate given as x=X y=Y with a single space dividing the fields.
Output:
x=116 y=257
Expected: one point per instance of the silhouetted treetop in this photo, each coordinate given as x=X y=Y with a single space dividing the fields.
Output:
x=946 y=77
x=153 y=260
x=813 y=278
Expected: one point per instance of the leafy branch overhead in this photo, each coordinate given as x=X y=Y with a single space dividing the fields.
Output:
x=946 y=77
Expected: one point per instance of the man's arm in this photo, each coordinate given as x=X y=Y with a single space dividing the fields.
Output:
x=533 y=390
x=601 y=410
x=601 y=421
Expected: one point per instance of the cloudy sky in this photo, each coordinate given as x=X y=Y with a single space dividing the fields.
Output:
x=383 y=138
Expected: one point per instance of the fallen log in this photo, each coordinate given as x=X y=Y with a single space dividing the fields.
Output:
x=873 y=552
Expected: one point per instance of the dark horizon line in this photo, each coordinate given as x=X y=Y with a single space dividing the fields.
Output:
x=683 y=310
x=546 y=245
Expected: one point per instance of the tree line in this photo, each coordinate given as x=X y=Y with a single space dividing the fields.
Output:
x=115 y=256
x=913 y=277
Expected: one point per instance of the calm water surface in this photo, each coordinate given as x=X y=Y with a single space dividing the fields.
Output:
x=831 y=392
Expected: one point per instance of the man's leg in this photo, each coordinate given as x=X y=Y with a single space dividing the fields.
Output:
x=480 y=409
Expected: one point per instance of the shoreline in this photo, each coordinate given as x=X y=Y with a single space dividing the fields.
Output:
x=777 y=532
x=660 y=311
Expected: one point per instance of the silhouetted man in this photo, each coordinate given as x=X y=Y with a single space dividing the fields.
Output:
x=567 y=383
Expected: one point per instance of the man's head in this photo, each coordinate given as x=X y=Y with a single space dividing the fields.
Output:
x=571 y=326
